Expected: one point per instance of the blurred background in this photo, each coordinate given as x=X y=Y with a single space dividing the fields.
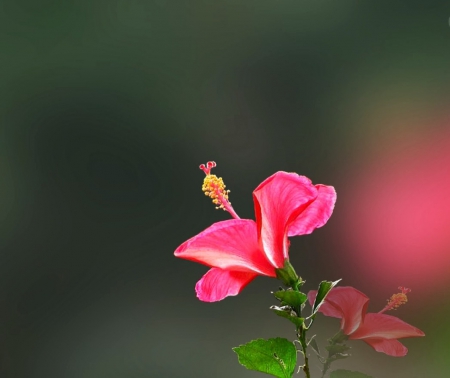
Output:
x=108 y=107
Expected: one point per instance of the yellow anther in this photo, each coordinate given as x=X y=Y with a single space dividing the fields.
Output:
x=214 y=188
x=396 y=300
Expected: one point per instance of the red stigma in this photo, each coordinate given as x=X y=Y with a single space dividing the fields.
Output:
x=208 y=167
x=404 y=290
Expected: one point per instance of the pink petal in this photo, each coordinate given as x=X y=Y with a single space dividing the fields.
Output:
x=230 y=245
x=326 y=308
x=217 y=284
x=316 y=214
x=385 y=327
x=391 y=347
x=278 y=201
x=347 y=303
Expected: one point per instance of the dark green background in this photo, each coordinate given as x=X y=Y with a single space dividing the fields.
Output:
x=106 y=110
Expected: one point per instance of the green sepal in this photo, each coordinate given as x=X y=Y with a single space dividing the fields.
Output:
x=348 y=374
x=287 y=313
x=277 y=357
x=322 y=292
x=291 y=298
x=339 y=337
x=335 y=348
x=288 y=276
x=338 y=356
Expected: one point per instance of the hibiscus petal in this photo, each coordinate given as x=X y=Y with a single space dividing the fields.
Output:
x=392 y=348
x=230 y=244
x=217 y=284
x=385 y=327
x=278 y=200
x=344 y=302
x=316 y=214
x=326 y=308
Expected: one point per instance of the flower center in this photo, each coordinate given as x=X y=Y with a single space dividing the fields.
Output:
x=396 y=300
x=214 y=188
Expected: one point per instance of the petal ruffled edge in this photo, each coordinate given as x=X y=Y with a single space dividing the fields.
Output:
x=382 y=326
x=392 y=348
x=278 y=200
x=218 y=284
x=229 y=245
x=344 y=302
x=326 y=308
x=316 y=214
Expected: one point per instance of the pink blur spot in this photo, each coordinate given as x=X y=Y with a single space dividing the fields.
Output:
x=395 y=215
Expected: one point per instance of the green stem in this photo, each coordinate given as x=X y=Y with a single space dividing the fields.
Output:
x=289 y=277
x=301 y=333
x=336 y=348
x=326 y=366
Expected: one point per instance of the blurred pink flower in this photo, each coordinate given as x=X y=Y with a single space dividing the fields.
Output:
x=238 y=250
x=378 y=330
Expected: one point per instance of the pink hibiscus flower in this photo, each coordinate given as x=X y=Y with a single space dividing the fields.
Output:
x=238 y=250
x=378 y=330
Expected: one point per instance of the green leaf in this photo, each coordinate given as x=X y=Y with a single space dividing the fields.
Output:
x=288 y=314
x=291 y=298
x=322 y=292
x=277 y=357
x=348 y=374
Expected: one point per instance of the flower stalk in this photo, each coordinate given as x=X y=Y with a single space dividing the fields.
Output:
x=336 y=350
x=301 y=334
x=289 y=277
